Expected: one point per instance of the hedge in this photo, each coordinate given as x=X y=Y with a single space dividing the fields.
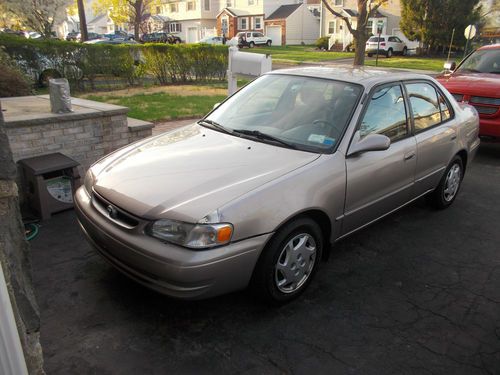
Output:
x=81 y=62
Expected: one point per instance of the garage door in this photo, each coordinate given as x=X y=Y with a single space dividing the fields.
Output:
x=274 y=32
x=192 y=35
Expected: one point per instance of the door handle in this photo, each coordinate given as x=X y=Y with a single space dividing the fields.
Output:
x=409 y=156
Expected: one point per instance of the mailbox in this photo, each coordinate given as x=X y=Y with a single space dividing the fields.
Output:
x=254 y=64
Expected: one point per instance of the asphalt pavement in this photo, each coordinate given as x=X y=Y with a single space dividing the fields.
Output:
x=416 y=293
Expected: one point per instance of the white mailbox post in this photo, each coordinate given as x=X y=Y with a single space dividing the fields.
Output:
x=254 y=64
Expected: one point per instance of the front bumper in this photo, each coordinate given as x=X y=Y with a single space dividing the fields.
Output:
x=167 y=268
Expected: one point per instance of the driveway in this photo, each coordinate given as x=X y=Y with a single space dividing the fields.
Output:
x=417 y=293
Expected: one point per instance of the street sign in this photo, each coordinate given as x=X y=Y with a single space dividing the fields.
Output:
x=470 y=32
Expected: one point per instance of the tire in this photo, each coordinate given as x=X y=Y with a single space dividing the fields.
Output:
x=405 y=51
x=269 y=43
x=46 y=75
x=177 y=41
x=275 y=279
x=370 y=54
x=447 y=190
x=389 y=53
x=251 y=45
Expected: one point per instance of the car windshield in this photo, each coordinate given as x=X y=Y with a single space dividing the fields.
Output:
x=482 y=61
x=376 y=39
x=306 y=113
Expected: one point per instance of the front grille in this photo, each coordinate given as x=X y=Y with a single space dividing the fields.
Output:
x=458 y=97
x=485 y=110
x=485 y=100
x=121 y=217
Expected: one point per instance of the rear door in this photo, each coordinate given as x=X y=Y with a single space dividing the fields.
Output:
x=435 y=133
x=381 y=181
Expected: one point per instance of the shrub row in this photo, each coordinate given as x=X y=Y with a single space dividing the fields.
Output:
x=80 y=62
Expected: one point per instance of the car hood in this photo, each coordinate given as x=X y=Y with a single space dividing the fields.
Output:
x=191 y=172
x=480 y=84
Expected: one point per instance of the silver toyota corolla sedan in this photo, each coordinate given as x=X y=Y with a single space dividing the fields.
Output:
x=260 y=189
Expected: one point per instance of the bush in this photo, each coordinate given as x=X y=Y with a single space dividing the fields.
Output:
x=12 y=81
x=322 y=43
x=93 y=63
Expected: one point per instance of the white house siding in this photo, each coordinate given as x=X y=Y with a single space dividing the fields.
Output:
x=203 y=28
x=302 y=27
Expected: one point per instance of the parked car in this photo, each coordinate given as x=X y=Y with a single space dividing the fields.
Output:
x=477 y=81
x=251 y=39
x=258 y=191
x=212 y=40
x=160 y=37
x=119 y=34
x=388 y=45
x=90 y=36
x=72 y=36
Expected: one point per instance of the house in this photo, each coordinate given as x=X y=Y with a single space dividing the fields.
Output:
x=389 y=15
x=292 y=24
x=191 y=20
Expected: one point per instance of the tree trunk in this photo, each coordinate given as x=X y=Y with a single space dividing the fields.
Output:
x=83 y=21
x=138 y=11
x=360 y=45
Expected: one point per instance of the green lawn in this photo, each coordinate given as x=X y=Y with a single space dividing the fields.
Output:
x=409 y=62
x=299 y=54
x=162 y=106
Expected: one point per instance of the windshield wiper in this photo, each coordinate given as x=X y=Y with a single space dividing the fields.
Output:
x=263 y=136
x=215 y=125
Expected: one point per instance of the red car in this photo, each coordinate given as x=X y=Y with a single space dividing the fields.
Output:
x=477 y=81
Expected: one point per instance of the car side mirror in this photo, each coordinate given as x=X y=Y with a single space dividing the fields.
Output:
x=372 y=142
x=216 y=105
x=450 y=66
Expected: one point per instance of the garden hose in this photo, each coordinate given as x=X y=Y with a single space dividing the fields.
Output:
x=30 y=231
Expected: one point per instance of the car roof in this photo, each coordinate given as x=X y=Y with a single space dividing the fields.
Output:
x=490 y=46
x=360 y=75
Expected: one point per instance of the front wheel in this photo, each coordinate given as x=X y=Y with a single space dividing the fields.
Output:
x=405 y=51
x=289 y=261
x=370 y=54
x=447 y=190
x=269 y=43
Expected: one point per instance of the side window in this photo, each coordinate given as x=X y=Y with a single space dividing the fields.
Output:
x=392 y=39
x=386 y=114
x=444 y=106
x=424 y=104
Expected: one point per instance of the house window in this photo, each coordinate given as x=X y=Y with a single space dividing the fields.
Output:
x=338 y=3
x=229 y=3
x=191 y=5
x=251 y=2
x=257 y=23
x=369 y=27
x=158 y=10
x=331 y=27
x=243 y=23
x=173 y=7
x=175 y=27
x=206 y=5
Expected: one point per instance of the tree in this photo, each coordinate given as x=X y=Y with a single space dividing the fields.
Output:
x=83 y=21
x=366 y=10
x=38 y=15
x=431 y=22
x=123 y=11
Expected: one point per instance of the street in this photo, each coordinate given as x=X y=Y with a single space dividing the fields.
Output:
x=416 y=293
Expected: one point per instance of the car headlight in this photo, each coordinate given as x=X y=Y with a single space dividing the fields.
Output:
x=194 y=236
x=89 y=181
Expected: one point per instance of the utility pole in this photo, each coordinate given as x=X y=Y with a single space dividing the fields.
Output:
x=83 y=21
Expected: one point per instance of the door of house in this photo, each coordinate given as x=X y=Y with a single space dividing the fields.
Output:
x=192 y=35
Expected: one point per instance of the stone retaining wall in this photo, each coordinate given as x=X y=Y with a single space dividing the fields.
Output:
x=91 y=131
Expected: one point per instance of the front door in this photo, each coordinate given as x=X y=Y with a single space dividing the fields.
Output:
x=378 y=182
x=192 y=36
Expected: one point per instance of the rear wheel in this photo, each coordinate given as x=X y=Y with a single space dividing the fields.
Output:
x=289 y=261
x=251 y=44
x=448 y=187
x=389 y=53
x=405 y=51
